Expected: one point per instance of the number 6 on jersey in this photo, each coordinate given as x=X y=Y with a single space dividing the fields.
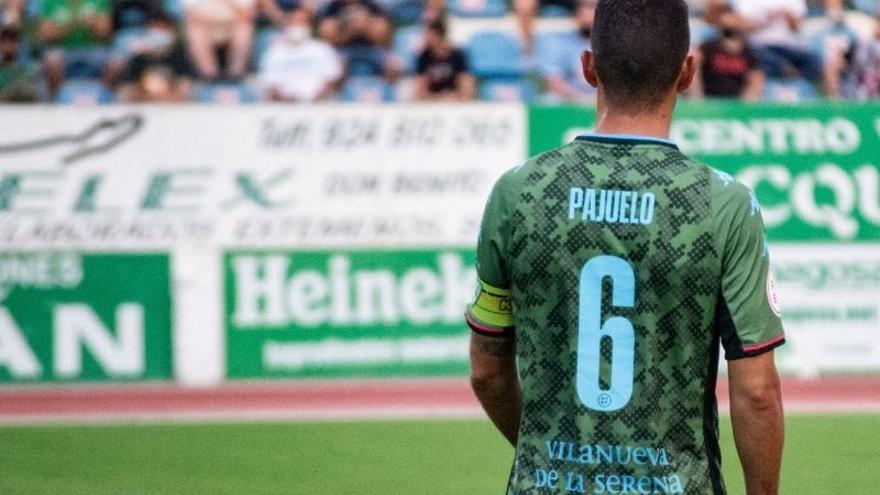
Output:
x=591 y=331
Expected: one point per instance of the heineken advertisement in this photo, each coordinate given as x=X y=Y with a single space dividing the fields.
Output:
x=66 y=316
x=343 y=313
x=814 y=169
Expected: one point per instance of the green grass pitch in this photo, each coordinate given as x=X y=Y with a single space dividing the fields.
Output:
x=824 y=455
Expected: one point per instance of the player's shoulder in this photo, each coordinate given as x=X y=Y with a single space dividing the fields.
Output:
x=729 y=195
x=531 y=169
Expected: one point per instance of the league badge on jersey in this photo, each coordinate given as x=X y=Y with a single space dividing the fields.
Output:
x=772 y=296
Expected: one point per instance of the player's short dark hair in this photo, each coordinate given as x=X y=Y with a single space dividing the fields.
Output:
x=639 y=47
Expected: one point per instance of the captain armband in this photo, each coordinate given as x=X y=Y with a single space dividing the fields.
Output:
x=492 y=312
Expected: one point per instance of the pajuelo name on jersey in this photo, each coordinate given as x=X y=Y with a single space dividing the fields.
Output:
x=610 y=206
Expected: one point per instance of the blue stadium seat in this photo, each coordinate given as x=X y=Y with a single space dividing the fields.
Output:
x=126 y=39
x=174 y=8
x=33 y=8
x=262 y=42
x=495 y=54
x=83 y=92
x=867 y=6
x=789 y=90
x=702 y=32
x=508 y=90
x=407 y=45
x=224 y=93
x=554 y=11
x=547 y=44
x=367 y=90
x=407 y=11
x=478 y=8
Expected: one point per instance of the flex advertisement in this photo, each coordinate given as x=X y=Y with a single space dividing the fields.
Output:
x=66 y=316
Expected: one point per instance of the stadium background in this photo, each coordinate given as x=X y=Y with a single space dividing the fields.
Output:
x=268 y=298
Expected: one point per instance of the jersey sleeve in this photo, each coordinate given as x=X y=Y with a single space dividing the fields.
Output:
x=748 y=315
x=491 y=313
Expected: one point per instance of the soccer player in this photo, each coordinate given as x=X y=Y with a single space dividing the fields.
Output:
x=609 y=271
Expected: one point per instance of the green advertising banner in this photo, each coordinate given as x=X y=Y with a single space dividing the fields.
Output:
x=347 y=313
x=67 y=316
x=814 y=167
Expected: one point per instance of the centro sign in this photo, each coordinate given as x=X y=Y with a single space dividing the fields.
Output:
x=849 y=196
x=758 y=136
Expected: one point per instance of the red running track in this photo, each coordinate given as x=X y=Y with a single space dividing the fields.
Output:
x=332 y=400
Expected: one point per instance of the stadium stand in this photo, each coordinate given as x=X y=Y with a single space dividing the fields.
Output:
x=837 y=49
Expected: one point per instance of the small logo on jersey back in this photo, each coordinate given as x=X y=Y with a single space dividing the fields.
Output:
x=772 y=297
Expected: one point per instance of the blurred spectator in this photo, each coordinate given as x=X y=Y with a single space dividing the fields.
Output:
x=158 y=71
x=134 y=13
x=728 y=67
x=219 y=34
x=347 y=23
x=297 y=67
x=561 y=68
x=278 y=11
x=527 y=10
x=434 y=11
x=869 y=59
x=840 y=46
x=77 y=35
x=18 y=82
x=774 y=31
x=11 y=12
x=443 y=72
x=361 y=31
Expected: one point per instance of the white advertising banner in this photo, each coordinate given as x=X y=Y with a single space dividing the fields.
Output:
x=158 y=177
x=830 y=305
x=206 y=184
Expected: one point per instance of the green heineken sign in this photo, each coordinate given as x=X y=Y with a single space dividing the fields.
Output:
x=66 y=316
x=351 y=313
x=813 y=167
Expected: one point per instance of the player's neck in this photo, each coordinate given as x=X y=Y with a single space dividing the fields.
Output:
x=650 y=123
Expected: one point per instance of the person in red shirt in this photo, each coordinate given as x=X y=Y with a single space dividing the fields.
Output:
x=728 y=66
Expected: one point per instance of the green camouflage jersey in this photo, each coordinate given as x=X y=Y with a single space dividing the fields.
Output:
x=618 y=264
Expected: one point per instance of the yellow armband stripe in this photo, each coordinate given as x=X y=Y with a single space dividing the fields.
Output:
x=493 y=307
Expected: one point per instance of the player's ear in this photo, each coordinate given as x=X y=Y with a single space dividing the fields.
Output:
x=688 y=72
x=589 y=66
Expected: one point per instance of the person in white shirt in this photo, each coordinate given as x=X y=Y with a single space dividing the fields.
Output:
x=773 y=27
x=297 y=67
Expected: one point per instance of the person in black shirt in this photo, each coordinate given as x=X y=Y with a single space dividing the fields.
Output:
x=443 y=72
x=729 y=67
x=134 y=13
x=360 y=30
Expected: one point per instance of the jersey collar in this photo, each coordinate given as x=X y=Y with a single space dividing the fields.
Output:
x=625 y=139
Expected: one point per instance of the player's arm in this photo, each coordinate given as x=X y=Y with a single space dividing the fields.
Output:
x=750 y=328
x=491 y=318
x=495 y=381
x=756 y=414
